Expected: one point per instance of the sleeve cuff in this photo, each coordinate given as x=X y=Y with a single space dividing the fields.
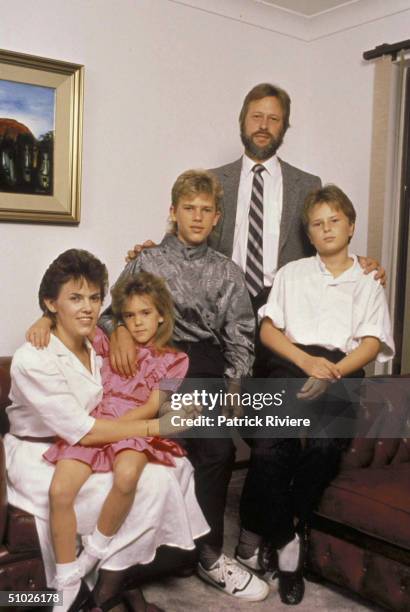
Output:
x=75 y=436
x=387 y=343
x=274 y=313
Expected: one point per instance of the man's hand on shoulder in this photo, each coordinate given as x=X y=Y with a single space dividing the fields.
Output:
x=123 y=352
x=137 y=249
x=38 y=334
x=369 y=265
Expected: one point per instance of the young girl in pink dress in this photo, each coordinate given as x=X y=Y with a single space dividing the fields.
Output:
x=144 y=305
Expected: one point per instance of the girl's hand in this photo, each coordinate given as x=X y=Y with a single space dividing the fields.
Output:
x=39 y=333
x=312 y=389
x=321 y=368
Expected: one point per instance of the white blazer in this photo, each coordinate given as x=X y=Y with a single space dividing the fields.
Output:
x=52 y=393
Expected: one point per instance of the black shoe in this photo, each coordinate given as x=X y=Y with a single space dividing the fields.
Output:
x=291 y=584
x=135 y=601
x=107 y=605
x=83 y=599
x=291 y=587
x=268 y=558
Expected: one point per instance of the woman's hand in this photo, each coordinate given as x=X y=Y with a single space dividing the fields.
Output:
x=38 y=334
x=320 y=367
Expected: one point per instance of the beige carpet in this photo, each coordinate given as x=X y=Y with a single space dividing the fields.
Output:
x=193 y=595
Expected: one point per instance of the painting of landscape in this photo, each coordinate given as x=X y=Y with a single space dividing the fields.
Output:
x=27 y=127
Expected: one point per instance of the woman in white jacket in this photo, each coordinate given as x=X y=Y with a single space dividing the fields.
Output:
x=53 y=392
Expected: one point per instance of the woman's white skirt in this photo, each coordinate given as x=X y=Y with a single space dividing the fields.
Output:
x=165 y=509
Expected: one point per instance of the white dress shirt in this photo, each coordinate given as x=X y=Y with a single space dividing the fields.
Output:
x=272 y=211
x=312 y=307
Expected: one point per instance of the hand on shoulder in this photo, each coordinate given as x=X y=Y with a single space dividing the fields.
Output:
x=137 y=249
x=370 y=265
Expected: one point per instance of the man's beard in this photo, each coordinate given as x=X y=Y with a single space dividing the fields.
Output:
x=261 y=153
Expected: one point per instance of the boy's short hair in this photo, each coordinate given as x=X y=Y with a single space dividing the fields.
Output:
x=194 y=182
x=329 y=194
x=72 y=264
x=265 y=90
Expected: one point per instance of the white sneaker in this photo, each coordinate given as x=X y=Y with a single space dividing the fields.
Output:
x=250 y=562
x=234 y=580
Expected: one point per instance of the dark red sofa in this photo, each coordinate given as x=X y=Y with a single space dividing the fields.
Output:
x=361 y=532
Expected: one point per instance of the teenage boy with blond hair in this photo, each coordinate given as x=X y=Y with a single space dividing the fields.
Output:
x=214 y=325
x=324 y=320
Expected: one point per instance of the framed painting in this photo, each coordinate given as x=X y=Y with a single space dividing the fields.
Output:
x=41 y=115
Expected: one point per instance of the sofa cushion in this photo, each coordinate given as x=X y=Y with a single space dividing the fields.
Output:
x=375 y=501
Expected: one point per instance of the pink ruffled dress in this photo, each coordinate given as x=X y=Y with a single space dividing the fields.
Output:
x=156 y=370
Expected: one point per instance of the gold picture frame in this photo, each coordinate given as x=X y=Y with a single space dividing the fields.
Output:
x=40 y=175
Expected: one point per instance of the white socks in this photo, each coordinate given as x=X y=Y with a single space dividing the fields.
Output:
x=68 y=580
x=95 y=547
x=289 y=555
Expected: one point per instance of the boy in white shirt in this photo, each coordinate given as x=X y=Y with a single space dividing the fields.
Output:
x=324 y=320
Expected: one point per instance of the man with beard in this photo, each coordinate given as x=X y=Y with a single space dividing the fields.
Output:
x=261 y=230
x=264 y=119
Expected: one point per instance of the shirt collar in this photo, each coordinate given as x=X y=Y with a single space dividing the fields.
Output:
x=172 y=243
x=271 y=165
x=348 y=275
x=59 y=348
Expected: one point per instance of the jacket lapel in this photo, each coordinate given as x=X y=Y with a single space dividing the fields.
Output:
x=230 y=182
x=290 y=181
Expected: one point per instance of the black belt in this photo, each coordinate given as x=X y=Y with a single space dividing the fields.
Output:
x=44 y=439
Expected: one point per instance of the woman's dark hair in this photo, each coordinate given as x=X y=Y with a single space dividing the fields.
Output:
x=154 y=287
x=72 y=264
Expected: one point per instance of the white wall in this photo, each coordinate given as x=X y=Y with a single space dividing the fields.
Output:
x=164 y=85
x=340 y=99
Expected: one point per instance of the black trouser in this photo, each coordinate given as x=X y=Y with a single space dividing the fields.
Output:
x=212 y=459
x=262 y=354
x=286 y=477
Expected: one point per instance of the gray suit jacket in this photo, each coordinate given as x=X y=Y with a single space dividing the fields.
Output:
x=293 y=242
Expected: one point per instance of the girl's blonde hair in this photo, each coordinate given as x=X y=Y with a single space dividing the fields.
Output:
x=145 y=283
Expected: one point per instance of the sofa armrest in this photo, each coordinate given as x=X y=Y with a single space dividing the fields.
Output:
x=3 y=491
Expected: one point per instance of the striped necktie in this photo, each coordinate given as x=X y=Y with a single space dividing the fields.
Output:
x=254 y=255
